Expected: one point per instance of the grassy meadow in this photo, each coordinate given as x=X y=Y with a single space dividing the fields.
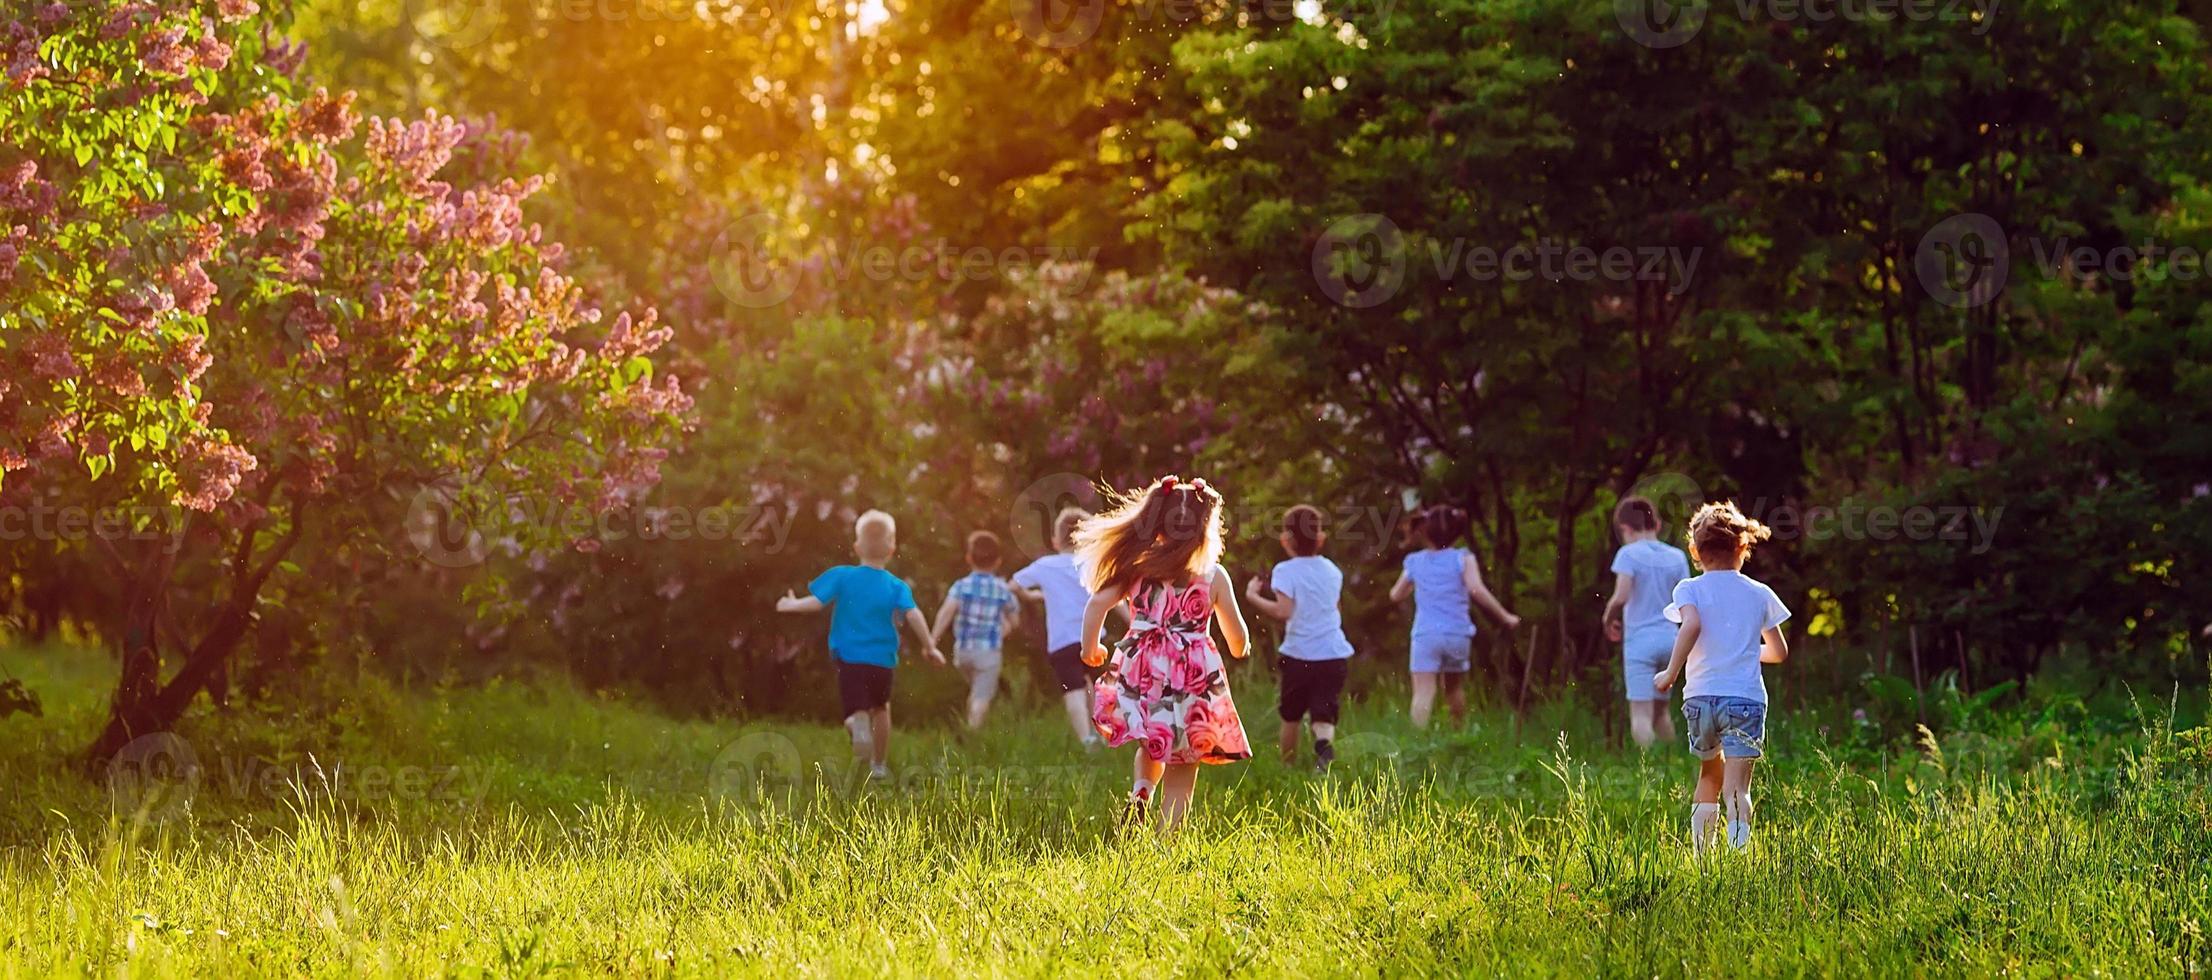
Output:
x=528 y=829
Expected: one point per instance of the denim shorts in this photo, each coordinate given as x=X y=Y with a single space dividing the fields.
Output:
x=1442 y=654
x=1732 y=728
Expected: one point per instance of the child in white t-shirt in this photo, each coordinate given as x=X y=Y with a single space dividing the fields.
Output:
x=1645 y=572
x=1315 y=655
x=1731 y=624
x=1056 y=581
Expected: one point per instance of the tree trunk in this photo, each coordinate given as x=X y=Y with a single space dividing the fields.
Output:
x=143 y=705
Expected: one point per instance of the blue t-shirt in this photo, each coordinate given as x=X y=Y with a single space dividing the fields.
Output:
x=1439 y=592
x=865 y=604
x=1653 y=569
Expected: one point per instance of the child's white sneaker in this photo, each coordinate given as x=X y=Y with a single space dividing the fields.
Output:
x=879 y=774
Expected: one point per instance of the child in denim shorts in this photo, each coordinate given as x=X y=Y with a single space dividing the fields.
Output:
x=1731 y=624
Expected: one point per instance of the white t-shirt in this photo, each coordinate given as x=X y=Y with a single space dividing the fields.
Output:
x=1061 y=580
x=1316 y=628
x=1732 y=610
x=1653 y=568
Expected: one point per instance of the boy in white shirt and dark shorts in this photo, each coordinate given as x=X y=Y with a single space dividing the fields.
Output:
x=1057 y=581
x=1315 y=655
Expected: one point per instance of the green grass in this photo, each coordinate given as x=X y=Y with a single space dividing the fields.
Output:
x=554 y=831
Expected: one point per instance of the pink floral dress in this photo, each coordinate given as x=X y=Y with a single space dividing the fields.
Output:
x=1165 y=686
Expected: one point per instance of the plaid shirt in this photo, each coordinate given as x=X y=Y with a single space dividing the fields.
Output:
x=984 y=600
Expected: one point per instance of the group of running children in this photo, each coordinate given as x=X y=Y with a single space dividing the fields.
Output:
x=1153 y=559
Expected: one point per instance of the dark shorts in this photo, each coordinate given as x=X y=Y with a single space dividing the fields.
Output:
x=1312 y=687
x=1068 y=668
x=862 y=687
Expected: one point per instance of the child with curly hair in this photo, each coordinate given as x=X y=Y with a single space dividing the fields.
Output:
x=1731 y=624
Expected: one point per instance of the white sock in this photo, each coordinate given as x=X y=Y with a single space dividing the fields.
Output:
x=1739 y=823
x=1702 y=816
x=863 y=737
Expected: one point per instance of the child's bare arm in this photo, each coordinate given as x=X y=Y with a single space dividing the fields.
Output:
x=920 y=626
x=1402 y=588
x=1281 y=607
x=1776 y=648
x=1094 y=621
x=794 y=603
x=1013 y=615
x=1683 y=641
x=1623 y=584
x=1231 y=618
x=944 y=619
x=1471 y=576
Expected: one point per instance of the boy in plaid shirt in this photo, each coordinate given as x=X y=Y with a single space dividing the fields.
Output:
x=979 y=609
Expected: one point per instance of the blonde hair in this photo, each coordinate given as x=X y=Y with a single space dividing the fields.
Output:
x=1170 y=531
x=1718 y=531
x=875 y=536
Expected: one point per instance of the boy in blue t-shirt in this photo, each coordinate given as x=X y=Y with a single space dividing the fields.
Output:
x=866 y=604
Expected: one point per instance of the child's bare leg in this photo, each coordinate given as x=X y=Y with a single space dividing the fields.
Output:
x=1175 y=793
x=1641 y=721
x=982 y=684
x=1662 y=722
x=1146 y=778
x=1424 y=697
x=863 y=735
x=879 y=728
x=1705 y=805
x=1079 y=715
x=1455 y=698
x=1736 y=800
x=1289 y=741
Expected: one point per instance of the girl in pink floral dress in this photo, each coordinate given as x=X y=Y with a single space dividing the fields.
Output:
x=1160 y=552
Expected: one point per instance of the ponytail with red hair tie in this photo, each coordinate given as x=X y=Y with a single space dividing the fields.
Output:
x=1173 y=482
